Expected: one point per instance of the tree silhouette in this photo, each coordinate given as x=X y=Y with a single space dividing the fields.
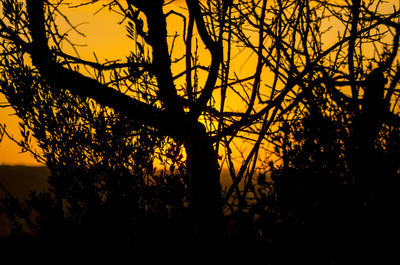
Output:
x=328 y=104
x=337 y=136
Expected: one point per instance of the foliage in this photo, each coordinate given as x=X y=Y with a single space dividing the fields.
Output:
x=324 y=176
x=104 y=188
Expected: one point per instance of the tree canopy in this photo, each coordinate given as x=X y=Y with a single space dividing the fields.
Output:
x=298 y=100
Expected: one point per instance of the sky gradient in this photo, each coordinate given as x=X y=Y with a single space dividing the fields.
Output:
x=107 y=38
x=104 y=36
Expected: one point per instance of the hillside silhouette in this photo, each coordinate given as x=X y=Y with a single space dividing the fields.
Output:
x=20 y=181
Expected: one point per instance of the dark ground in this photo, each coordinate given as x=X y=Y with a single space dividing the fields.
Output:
x=286 y=245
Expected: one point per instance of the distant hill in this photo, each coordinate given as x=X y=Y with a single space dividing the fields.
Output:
x=19 y=181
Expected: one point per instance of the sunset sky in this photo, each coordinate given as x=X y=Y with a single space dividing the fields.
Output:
x=104 y=36
x=107 y=38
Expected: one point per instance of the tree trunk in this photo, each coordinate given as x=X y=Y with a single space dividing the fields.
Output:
x=204 y=186
x=369 y=178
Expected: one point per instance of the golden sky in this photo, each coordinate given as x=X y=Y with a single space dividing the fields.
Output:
x=102 y=31
x=107 y=38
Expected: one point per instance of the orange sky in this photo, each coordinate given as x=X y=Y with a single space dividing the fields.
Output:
x=108 y=40
x=102 y=31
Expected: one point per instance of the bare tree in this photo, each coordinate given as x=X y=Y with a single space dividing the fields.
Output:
x=292 y=50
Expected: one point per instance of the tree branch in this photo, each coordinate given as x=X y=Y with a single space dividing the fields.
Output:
x=85 y=87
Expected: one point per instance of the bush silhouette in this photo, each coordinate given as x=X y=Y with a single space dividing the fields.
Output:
x=104 y=192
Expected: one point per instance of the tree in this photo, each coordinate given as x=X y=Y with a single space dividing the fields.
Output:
x=295 y=75
x=169 y=119
x=30 y=31
x=338 y=135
